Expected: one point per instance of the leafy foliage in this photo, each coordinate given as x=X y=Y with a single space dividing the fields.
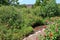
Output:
x=16 y=21
x=9 y=2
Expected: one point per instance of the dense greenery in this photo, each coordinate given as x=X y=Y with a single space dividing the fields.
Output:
x=9 y=2
x=16 y=21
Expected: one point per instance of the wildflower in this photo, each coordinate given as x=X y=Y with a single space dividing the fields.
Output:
x=51 y=34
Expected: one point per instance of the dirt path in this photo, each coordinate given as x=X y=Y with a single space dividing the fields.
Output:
x=35 y=35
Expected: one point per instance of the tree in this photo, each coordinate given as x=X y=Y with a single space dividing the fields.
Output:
x=4 y=2
x=50 y=7
x=14 y=2
x=7 y=2
x=37 y=2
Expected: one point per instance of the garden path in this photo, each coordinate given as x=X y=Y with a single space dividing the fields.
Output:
x=35 y=35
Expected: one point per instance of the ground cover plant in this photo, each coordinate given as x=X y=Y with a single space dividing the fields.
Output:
x=52 y=29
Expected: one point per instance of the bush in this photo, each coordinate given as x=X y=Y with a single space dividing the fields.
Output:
x=13 y=24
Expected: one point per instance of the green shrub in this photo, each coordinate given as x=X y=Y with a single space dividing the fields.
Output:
x=15 y=24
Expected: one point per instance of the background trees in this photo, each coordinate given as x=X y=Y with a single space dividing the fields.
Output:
x=47 y=7
x=4 y=2
x=9 y=2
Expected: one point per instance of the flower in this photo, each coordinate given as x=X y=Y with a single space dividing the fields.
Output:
x=51 y=34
